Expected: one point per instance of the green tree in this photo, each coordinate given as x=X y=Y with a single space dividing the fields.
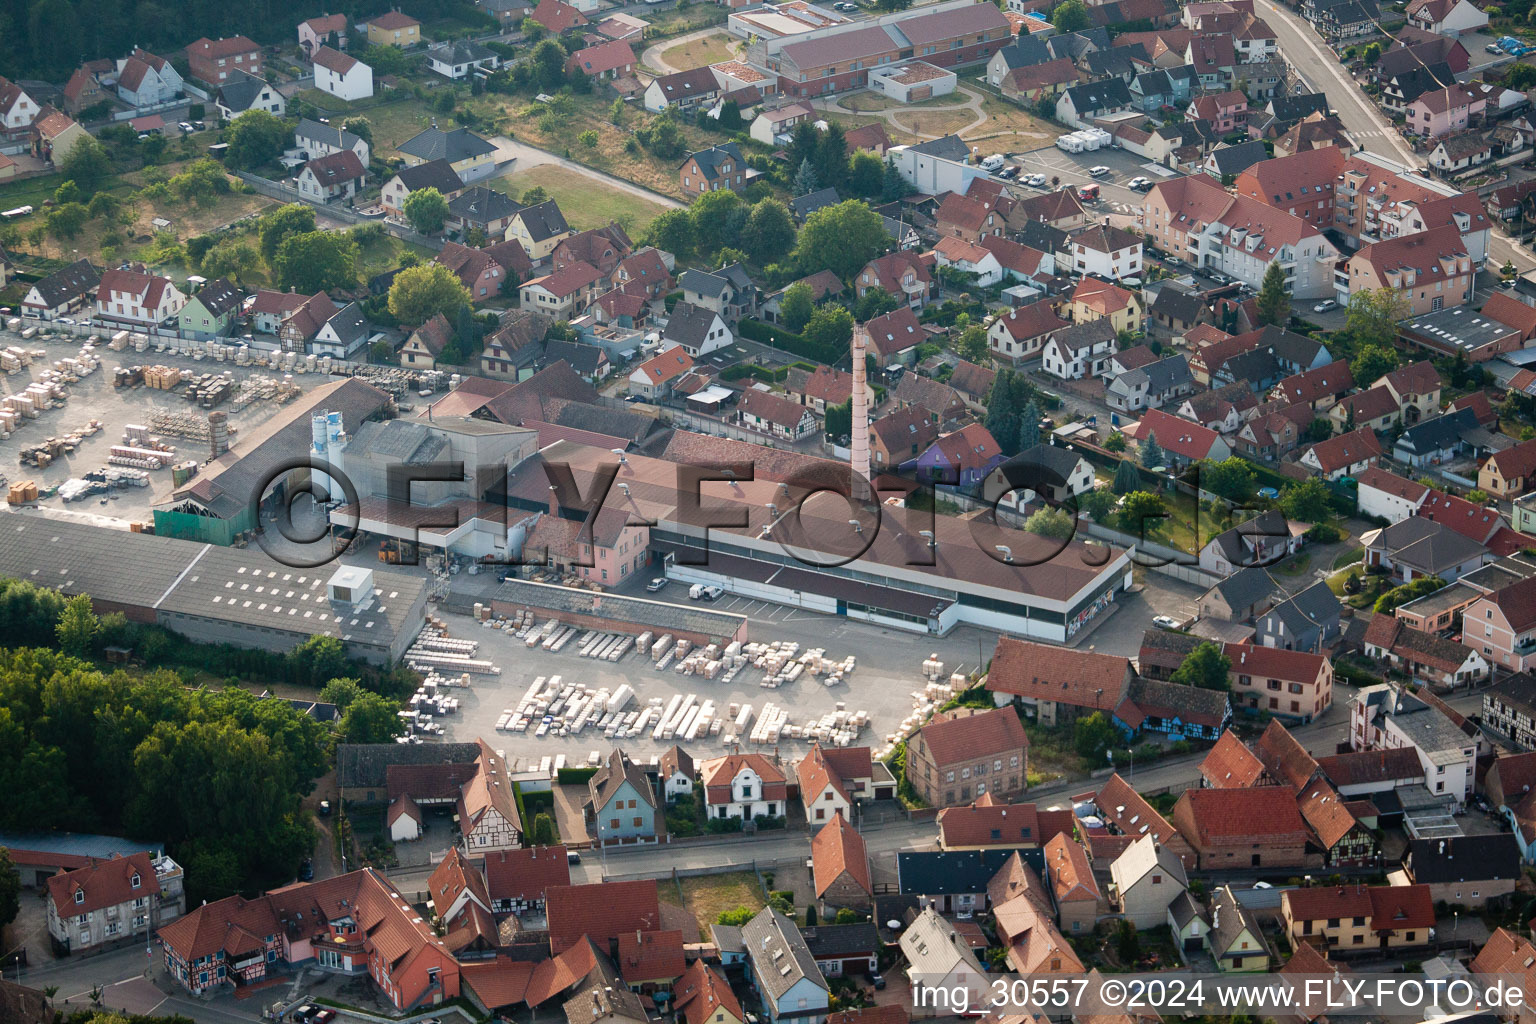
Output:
x=1274 y=300
x=318 y=658
x=420 y=293
x=87 y=165
x=549 y=62
x=255 y=138
x=839 y=421
x=1071 y=16
x=1371 y=54
x=1142 y=514
x=1206 y=667
x=866 y=174
x=810 y=915
x=293 y=219
x=1231 y=478
x=874 y=302
x=1373 y=317
x=371 y=718
x=1093 y=735
x=718 y=220
x=104 y=206
x=535 y=195
x=804 y=139
x=588 y=138
x=1372 y=362
x=972 y=345
x=832 y=157
x=672 y=231
x=1520 y=77
x=1115 y=442
x=543 y=830
x=361 y=127
x=1127 y=942
x=736 y=917
x=1151 y=451
x=892 y=186
x=233 y=258
x=78 y=626
x=805 y=181
x=1099 y=503
x=1052 y=523
x=10 y=888
x=1306 y=501
x=1423 y=585
x=426 y=209
x=67 y=221
x=341 y=691
x=769 y=233
x=68 y=192
x=831 y=326
x=796 y=307
x=616 y=112
x=841 y=238
x=1320 y=429
x=317 y=261
x=1029 y=426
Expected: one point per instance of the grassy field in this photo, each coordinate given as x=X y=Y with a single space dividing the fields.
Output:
x=850 y=121
x=398 y=121
x=710 y=49
x=585 y=202
x=708 y=896
x=934 y=122
x=866 y=100
x=1008 y=118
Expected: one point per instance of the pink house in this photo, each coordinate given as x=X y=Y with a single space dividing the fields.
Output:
x=608 y=553
x=1445 y=111
x=1227 y=111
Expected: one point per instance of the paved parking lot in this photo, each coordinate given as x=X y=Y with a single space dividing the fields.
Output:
x=889 y=669
x=1072 y=169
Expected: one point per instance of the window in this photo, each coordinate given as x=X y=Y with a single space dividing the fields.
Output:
x=79 y=895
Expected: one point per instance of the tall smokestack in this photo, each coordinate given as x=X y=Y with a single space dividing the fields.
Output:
x=860 y=432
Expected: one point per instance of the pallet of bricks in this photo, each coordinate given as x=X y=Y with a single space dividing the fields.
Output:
x=162 y=378
x=23 y=492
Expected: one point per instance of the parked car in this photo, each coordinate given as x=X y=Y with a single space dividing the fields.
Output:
x=877 y=980
x=1099 y=172
x=1010 y=172
x=846 y=7
x=1036 y=181
x=1325 y=306
x=1165 y=622
x=659 y=583
x=307 y=871
x=1139 y=184
x=325 y=808
x=572 y=857
x=304 y=1012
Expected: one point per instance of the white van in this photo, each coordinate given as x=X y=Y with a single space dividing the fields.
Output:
x=994 y=162
x=1070 y=143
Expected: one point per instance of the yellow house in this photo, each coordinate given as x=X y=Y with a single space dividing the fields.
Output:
x=538 y=229
x=1359 y=917
x=426 y=343
x=55 y=134
x=468 y=154
x=394 y=29
x=1094 y=299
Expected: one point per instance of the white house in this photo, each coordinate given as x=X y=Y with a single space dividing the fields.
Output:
x=676 y=772
x=1079 y=351
x=941 y=967
x=781 y=967
x=107 y=902
x=970 y=258
x=1106 y=252
x=460 y=59
x=743 y=786
x=403 y=818
x=768 y=126
x=343 y=335
x=17 y=109
x=341 y=75
x=698 y=331
x=319 y=140
x=1383 y=718
x=1389 y=496
x=243 y=91
x=144 y=79
x=1446 y=17
x=143 y=300
x=338 y=176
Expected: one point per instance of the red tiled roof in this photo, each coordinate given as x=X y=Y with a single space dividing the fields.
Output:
x=651 y=956
x=1231 y=765
x=1014 y=825
x=701 y=992
x=335 y=60
x=499 y=982
x=665 y=365
x=1101 y=296
x=953 y=736
x=1511 y=312
x=101 y=884
x=1263 y=814
x=1323 y=809
x=1128 y=811
x=601 y=914
x=1185 y=439
x=1518 y=603
x=1345 y=450
x=1333 y=379
x=1391 y=483
x=1283 y=756
x=835 y=849
x=1080 y=678
x=526 y=874
x=1032 y=321
x=1066 y=863
x=392 y=20
x=895 y=331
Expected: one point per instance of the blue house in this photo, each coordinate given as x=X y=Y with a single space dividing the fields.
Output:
x=783 y=971
x=1180 y=712
x=621 y=804
x=1170 y=87
x=1307 y=622
x=959 y=460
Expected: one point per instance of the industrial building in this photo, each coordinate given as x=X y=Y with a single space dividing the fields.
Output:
x=215 y=594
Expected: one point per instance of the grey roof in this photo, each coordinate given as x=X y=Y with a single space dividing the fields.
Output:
x=1229 y=918
x=617 y=770
x=780 y=958
x=728 y=938
x=481 y=205
x=1237 y=159
x=1442 y=433
x=1025 y=52
x=1039 y=235
x=838 y=940
x=438 y=174
x=1117 y=60
x=1160 y=377
x=62 y=285
x=1482 y=858
x=1427 y=545
x=337 y=138
x=1085 y=335
x=1074 y=44
x=1246 y=587
x=689 y=324
x=1043 y=460
x=1417 y=81
x=1294 y=108
x=704 y=282
x=1191 y=703
x=948 y=147
x=603 y=420
x=1316 y=606
x=584 y=359
x=350 y=323
x=1264 y=526
x=74 y=844
x=219 y=297
x=1184 y=909
x=398 y=441
x=933 y=948
x=240 y=90
x=461 y=51
x=366 y=765
x=1177 y=304
x=949 y=872
x=812 y=201
x=710 y=159
x=453 y=146
x=543 y=220
x=1099 y=96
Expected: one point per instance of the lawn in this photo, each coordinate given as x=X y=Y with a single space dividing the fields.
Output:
x=710 y=49
x=934 y=122
x=396 y=122
x=1004 y=118
x=586 y=203
x=850 y=121
x=708 y=896
x=1349 y=557
x=867 y=100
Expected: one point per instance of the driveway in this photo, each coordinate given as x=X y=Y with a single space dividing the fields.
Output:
x=531 y=156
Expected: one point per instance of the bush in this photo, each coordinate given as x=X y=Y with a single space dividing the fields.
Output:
x=722 y=826
x=767 y=334
x=1324 y=533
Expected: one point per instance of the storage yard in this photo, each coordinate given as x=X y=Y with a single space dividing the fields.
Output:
x=572 y=691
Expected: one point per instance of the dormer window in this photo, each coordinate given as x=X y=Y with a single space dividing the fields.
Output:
x=79 y=895
x=135 y=880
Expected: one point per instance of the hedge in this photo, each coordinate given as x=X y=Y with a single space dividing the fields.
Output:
x=767 y=334
x=771 y=375
x=574 y=776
